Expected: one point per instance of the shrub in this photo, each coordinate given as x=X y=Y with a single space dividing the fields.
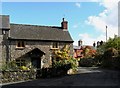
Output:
x=87 y=62
x=63 y=59
x=24 y=68
x=10 y=66
x=110 y=58
x=116 y=62
x=74 y=64
x=109 y=53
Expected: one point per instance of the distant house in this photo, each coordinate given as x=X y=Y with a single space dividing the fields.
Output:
x=79 y=50
x=31 y=44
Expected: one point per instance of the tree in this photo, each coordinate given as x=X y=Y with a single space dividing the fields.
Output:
x=114 y=43
x=109 y=53
x=88 y=52
x=111 y=43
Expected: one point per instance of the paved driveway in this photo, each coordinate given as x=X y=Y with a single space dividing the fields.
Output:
x=86 y=77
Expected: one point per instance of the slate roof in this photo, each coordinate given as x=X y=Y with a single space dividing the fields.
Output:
x=4 y=22
x=76 y=47
x=35 y=32
x=79 y=47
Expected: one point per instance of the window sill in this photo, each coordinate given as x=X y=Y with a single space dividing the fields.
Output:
x=19 y=48
x=54 y=48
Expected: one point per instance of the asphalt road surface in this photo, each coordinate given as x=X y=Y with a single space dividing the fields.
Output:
x=86 y=77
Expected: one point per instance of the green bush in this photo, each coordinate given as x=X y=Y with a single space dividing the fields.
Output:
x=116 y=62
x=111 y=58
x=74 y=64
x=10 y=66
x=109 y=53
x=87 y=62
x=65 y=65
x=99 y=59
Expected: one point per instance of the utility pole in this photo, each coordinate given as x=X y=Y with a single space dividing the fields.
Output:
x=106 y=33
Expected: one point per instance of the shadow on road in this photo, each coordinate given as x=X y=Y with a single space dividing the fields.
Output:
x=87 y=78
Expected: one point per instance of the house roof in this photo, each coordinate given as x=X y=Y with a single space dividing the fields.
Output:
x=35 y=32
x=76 y=47
x=92 y=47
x=4 y=22
x=83 y=46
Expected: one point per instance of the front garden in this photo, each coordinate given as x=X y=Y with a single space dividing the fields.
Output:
x=62 y=64
x=10 y=72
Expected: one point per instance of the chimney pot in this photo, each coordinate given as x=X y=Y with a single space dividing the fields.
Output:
x=63 y=19
x=64 y=24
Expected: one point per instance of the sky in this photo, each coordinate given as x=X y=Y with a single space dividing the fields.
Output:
x=86 y=20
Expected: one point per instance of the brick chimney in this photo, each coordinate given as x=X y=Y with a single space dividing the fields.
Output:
x=64 y=25
x=80 y=43
x=4 y=22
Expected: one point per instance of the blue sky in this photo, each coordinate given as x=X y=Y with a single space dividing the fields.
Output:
x=81 y=17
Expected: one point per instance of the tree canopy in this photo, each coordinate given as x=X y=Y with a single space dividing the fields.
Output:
x=113 y=42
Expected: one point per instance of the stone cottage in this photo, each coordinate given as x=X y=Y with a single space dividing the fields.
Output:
x=31 y=44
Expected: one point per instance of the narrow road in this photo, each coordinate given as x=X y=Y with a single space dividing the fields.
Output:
x=86 y=77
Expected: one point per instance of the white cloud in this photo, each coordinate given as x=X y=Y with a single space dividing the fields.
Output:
x=78 y=5
x=97 y=22
x=108 y=17
x=88 y=39
x=85 y=35
x=75 y=26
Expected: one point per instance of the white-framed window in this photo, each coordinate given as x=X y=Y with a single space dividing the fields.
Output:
x=55 y=45
x=20 y=44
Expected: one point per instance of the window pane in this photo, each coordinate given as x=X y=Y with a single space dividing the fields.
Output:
x=20 y=62
x=18 y=44
x=55 y=45
x=23 y=44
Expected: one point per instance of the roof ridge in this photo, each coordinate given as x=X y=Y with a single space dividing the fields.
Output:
x=35 y=25
x=3 y=15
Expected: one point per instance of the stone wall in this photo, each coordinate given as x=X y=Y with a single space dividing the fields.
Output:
x=4 y=44
x=14 y=76
x=30 y=45
x=1 y=38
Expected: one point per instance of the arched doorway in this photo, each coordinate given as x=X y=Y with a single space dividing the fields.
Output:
x=35 y=56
